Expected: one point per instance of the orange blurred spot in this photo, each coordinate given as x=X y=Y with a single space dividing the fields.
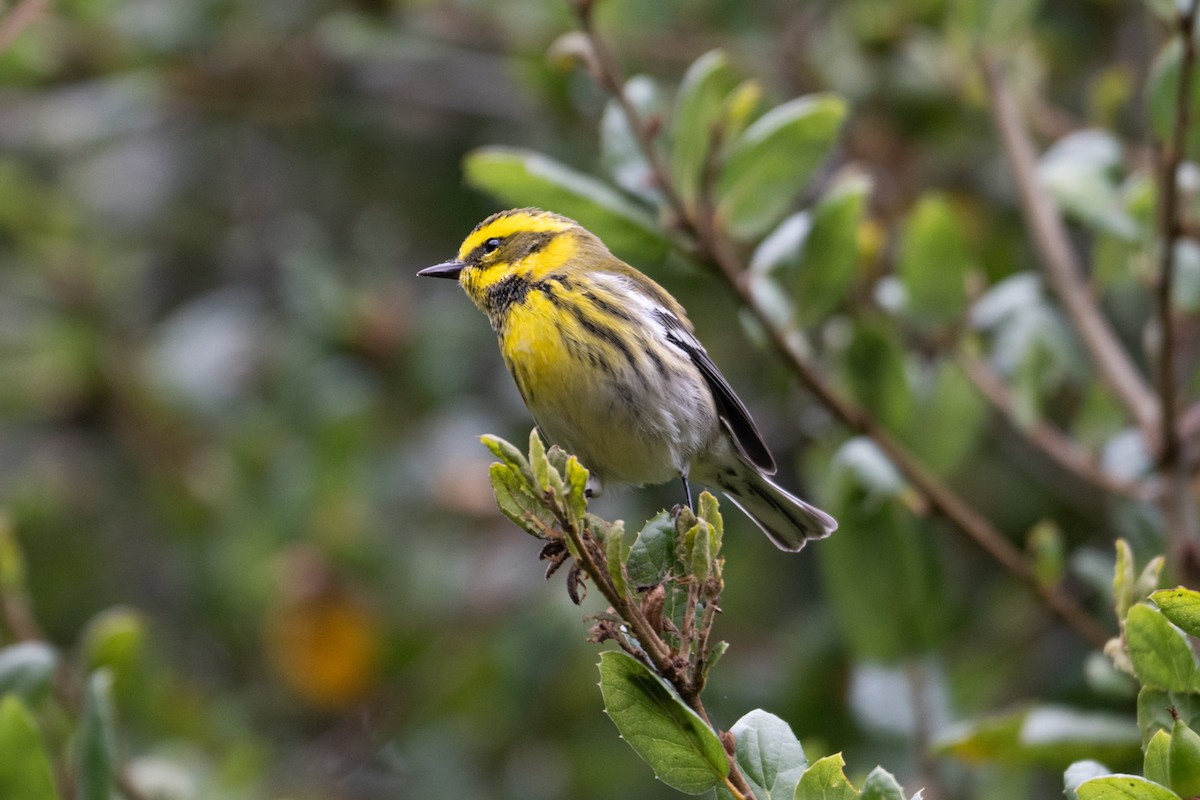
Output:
x=321 y=640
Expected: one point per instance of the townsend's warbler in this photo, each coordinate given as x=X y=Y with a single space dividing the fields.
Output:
x=609 y=366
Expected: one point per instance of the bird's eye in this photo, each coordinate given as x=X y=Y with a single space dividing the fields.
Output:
x=491 y=246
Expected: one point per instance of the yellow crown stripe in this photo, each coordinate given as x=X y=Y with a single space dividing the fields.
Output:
x=507 y=223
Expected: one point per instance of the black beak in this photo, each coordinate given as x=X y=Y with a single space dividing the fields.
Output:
x=448 y=269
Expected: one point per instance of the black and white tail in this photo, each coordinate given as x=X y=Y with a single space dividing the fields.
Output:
x=786 y=519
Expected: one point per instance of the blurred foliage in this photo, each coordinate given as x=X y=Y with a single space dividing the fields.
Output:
x=248 y=538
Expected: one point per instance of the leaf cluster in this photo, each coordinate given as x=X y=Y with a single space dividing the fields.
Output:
x=663 y=591
x=1160 y=631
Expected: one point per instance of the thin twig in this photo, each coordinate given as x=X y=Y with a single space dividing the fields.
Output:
x=1061 y=262
x=19 y=18
x=1178 y=503
x=655 y=649
x=1046 y=438
x=609 y=78
x=923 y=729
x=940 y=497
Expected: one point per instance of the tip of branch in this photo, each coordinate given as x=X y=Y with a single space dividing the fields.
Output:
x=582 y=8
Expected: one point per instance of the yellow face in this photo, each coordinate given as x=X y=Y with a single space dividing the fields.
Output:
x=511 y=250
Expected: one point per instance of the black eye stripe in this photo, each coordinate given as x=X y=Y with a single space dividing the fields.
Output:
x=488 y=247
x=516 y=246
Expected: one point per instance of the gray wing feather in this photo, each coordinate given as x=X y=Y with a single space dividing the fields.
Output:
x=730 y=409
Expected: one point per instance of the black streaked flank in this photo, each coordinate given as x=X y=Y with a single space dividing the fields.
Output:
x=607 y=307
x=602 y=331
x=659 y=364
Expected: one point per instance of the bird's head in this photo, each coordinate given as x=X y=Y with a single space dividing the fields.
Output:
x=513 y=250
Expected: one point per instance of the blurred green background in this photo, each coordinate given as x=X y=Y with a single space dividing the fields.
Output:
x=234 y=422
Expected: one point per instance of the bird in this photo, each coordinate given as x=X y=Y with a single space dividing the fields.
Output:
x=610 y=368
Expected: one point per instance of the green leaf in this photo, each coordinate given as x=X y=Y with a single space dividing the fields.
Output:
x=698 y=543
x=652 y=555
x=1162 y=88
x=934 y=262
x=1123 y=580
x=620 y=150
x=1154 y=710
x=769 y=755
x=881 y=574
x=577 y=478
x=714 y=655
x=1031 y=342
x=705 y=86
x=948 y=396
x=1147 y=579
x=1167 y=9
x=1123 y=787
x=824 y=780
x=1156 y=764
x=710 y=512
x=682 y=750
x=25 y=770
x=12 y=560
x=873 y=368
x=517 y=502
x=1045 y=545
x=617 y=552
x=861 y=461
x=828 y=260
x=97 y=738
x=1183 y=756
x=509 y=454
x=1181 y=606
x=815 y=253
x=558 y=458
x=27 y=669
x=116 y=639
x=526 y=178
x=882 y=785
x=1079 y=772
x=545 y=476
x=1080 y=171
x=773 y=160
x=1046 y=736
x=1185 y=287
x=739 y=108
x=994 y=24
x=1161 y=655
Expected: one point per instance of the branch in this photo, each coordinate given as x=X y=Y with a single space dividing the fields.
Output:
x=938 y=494
x=1053 y=443
x=1178 y=503
x=1061 y=263
x=680 y=666
x=712 y=249
x=19 y=18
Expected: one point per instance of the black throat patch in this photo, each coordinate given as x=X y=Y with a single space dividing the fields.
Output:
x=504 y=293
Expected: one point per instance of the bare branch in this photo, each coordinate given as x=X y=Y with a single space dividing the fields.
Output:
x=938 y=494
x=19 y=18
x=1178 y=502
x=1056 y=445
x=1061 y=262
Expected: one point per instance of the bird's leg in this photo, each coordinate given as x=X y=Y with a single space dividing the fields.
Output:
x=687 y=490
x=594 y=488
